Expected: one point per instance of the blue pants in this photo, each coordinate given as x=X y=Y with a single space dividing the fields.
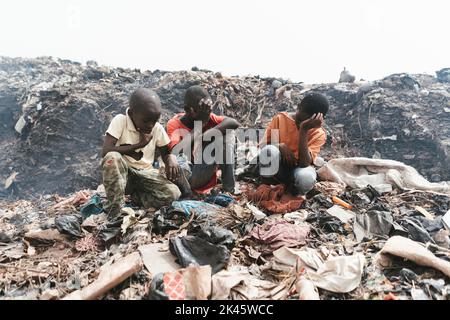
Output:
x=198 y=175
x=302 y=180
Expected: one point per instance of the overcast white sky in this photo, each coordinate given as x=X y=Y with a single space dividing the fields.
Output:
x=309 y=41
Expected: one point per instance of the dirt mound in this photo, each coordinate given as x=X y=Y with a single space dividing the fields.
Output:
x=62 y=108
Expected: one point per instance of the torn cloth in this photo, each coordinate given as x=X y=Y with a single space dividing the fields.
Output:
x=379 y=173
x=274 y=199
x=281 y=233
x=337 y=274
x=241 y=285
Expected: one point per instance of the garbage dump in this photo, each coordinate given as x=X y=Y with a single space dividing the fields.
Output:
x=389 y=245
x=403 y=117
x=376 y=225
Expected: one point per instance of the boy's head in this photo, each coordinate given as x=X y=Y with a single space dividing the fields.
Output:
x=197 y=103
x=145 y=109
x=311 y=104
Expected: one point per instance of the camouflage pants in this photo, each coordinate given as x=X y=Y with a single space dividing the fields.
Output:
x=148 y=188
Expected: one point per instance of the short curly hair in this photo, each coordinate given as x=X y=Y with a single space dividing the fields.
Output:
x=314 y=103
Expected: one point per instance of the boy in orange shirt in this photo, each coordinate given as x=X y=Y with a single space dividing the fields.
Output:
x=300 y=137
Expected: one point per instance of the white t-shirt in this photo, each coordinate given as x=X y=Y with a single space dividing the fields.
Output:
x=123 y=129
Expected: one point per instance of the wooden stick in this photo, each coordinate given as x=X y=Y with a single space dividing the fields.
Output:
x=109 y=278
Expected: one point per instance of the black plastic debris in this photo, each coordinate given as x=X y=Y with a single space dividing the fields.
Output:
x=198 y=251
x=416 y=231
x=433 y=289
x=319 y=201
x=221 y=199
x=374 y=223
x=166 y=219
x=327 y=222
x=4 y=237
x=380 y=206
x=408 y=275
x=215 y=235
x=362 y=197
x=156 y=291
x=110 y=230
x=442 y=204
x=70 y=225
x=431 y=226
x=359 y=198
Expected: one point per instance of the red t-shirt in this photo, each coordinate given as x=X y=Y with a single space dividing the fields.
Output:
x=175 y=126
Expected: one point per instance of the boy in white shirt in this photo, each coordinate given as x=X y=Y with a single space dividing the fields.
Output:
x=128 y=156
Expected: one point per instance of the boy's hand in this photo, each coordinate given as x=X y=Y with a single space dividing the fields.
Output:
x=316 y=121
x=173 y=170
x=287 y=156
x=204 y=109
x=205 y=105
x=144 y=139
x=135 y=155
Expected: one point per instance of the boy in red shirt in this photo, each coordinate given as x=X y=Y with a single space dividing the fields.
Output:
x=184 y=137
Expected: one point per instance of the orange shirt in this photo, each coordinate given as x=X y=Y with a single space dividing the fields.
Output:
x=289 y=135
x=174 y=127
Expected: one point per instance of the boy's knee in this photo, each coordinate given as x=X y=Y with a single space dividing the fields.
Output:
x=173 y=192
x=304 y=179
x=162 y=196
x=111 y=157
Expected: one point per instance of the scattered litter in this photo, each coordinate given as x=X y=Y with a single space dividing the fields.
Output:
x=327 y=222
x=239 y=284
x=197 y=251
x=220 y=199
x=157 y=258
x=279 y=234
x=108 y=278
x=446 y=220
x=425 y=213
x=216 y=235
x=70 y=225
x=388 y=198
x=306 y=289
x=411 y=250
x=377 y=173
x=92 y=207
x=340 y=213
x=373 y=223
x=275 y=199
x=9 y=181
x=342 y=203
x=336 y=274
x=44 y=237
x=129 y=219
x=258 y=214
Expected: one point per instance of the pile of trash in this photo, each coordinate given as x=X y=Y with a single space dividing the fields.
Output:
x=366 y=236
x=372 y=228
x=53 y=114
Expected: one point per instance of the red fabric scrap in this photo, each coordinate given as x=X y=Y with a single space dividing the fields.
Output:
x=275 y=199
